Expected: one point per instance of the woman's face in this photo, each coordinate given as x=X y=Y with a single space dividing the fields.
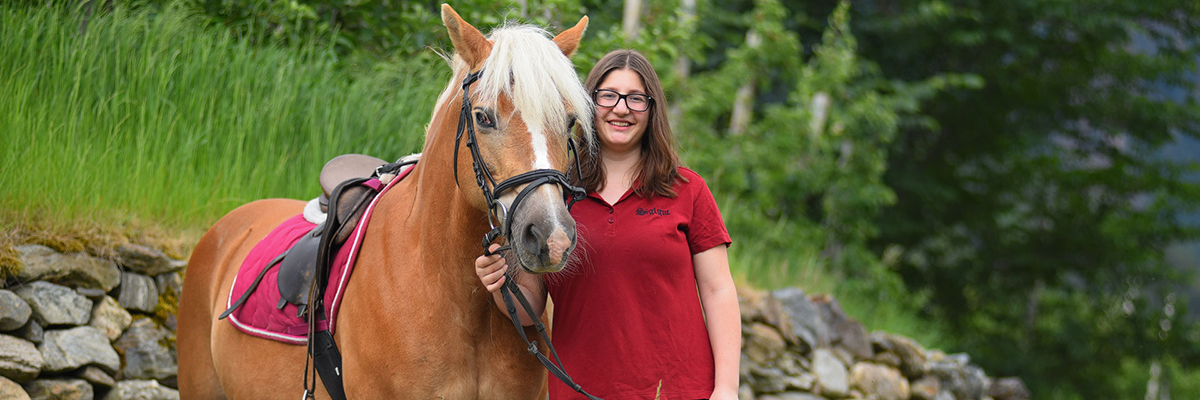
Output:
x=619 y=128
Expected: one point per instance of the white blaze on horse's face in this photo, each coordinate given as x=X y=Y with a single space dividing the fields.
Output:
x=523 y=107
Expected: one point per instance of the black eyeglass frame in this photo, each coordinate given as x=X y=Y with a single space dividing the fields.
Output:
x=620 y=97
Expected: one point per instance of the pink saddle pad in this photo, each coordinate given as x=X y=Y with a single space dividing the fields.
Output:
x=258 y=315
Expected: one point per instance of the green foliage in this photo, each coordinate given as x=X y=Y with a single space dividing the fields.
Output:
x=1032 y=206
x=211 y=120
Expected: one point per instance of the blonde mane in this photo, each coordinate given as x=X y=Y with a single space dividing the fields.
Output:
x=528 y=68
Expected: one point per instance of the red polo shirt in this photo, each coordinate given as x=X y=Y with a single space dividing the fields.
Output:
x=628 y=317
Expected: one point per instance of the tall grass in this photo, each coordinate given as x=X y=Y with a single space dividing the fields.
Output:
x=148 y=116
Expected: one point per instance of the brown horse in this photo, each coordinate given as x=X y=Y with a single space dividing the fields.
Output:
x=415 y=322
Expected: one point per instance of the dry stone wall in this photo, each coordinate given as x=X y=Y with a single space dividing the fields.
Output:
x=74 y=326
x=801 y=347
x=78 y=327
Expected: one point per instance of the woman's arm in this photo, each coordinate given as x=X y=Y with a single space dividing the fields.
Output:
x=718 y=297
x=491 y=269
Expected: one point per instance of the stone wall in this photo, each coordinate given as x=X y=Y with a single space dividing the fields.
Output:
x=78 y=327
x=74 y=326
x=800 y=347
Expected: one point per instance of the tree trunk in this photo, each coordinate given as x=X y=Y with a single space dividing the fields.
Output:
x=631 y=23
x=743 y=105
x=683 y=65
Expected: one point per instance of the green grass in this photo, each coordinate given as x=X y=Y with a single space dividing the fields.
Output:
x=151 y=117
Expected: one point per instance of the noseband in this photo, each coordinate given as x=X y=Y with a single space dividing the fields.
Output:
x=498 y=213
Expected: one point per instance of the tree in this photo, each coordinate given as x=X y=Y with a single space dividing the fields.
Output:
x=1031 y=209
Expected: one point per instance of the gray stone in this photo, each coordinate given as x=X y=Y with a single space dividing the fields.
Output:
x=74 y=269
x=792 y=363
x=93 y=294
x=72 y=348
x=965 y=382
x=145 y=260
x=762 y=343
x=41 y=262
x=775 y=380
x=141 y=390
x=879 y=381
x=767 y=380
x=831 y=376
x=14 y=311
x=32 y=331
x=110 y=318
x=845 y=332
x=1008 y=389
x=751 y=303
x=19 y=359
x=912 y=355
x=790 y=396
x=55 y=305
x=170 y=280
x=96 y=376
x=888 y=359
x=10 y=390
x=745 y=392
x=59 y=389
x=804 y=317
x=925 y=388
x=138 y=292
x=146 y=354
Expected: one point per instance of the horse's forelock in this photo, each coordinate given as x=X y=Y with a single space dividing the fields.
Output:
x=532 y=71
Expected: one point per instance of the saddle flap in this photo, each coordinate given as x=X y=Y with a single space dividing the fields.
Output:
x=346 y=167
x=298 y=268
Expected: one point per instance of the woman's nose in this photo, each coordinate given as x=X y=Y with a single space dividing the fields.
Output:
x=622 y=107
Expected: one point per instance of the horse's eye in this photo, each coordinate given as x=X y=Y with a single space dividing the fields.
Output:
x=483 y=120
x=570 y=126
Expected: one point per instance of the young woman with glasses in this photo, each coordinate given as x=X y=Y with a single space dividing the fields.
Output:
x=649 y=308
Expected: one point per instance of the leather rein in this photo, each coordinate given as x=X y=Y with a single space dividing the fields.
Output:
x=498 y=213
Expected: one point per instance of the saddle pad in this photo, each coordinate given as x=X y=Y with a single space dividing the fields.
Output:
x=258 y=315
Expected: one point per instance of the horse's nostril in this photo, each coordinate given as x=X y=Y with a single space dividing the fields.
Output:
x=532 y=238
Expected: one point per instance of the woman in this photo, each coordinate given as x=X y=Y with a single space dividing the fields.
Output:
x=652 y=309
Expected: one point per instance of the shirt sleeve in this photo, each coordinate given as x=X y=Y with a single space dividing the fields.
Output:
x=706 y=229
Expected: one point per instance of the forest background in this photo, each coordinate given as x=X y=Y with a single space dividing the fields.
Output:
x=1013 y=179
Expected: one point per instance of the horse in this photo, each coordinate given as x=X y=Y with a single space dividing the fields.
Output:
x=415 y=321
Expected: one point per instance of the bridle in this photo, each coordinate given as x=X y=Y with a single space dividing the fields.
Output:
x=497 y=213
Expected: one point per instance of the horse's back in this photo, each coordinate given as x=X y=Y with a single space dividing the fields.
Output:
x=210 y=271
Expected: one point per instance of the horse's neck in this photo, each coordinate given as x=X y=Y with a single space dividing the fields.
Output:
x=448 y=227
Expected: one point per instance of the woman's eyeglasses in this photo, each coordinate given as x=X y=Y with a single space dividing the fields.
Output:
x=634 y=101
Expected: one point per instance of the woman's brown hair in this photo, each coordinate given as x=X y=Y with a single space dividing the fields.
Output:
x=658 y=168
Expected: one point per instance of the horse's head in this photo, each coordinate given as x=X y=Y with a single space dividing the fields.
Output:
x=524 y=97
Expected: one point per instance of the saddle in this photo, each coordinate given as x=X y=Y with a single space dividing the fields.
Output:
x=347 y=188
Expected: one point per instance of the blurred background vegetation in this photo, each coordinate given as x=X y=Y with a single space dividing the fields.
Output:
x=1017 y=180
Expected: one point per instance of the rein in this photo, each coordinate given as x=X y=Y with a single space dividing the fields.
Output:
x=498 y=213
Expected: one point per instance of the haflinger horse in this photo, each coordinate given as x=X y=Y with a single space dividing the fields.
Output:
x=415 y=322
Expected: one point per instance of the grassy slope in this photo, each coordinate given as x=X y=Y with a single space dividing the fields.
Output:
x=155 y=118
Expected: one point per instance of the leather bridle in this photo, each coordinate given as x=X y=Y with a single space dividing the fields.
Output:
x=498 y=213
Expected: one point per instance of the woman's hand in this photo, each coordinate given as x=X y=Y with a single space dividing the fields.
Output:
x=491 y=269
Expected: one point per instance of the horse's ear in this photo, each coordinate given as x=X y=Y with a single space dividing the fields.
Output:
x=568 y=40
x=470 y=44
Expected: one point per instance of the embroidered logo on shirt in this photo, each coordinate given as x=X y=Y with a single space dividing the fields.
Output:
x=653 y=211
